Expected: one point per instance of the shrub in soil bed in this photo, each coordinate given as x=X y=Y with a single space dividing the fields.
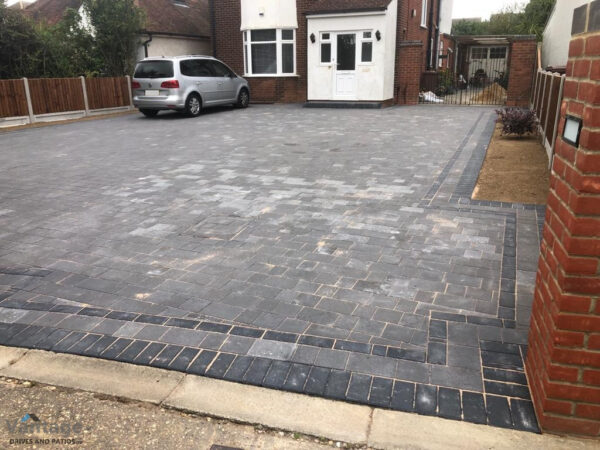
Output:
x=517 y=121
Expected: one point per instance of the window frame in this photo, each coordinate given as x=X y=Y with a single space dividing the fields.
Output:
x=322 y=41
x=279 y=42
x=480 y=49
x=424 y=13
x=362 y=39
x=491 y=52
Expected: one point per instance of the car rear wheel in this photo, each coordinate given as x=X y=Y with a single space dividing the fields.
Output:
x=243 y=99
x=193 y=105
x=149 y=112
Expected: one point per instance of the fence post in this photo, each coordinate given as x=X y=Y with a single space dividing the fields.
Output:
x=28 y=97
x=129 y=90
x=85 y=97
x=556 y=119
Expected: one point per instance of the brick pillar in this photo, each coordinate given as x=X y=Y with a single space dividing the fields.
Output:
x=521 y=70
x=563 y=360
x=408 y=72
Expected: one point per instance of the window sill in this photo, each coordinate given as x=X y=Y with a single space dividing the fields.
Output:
x=424 y=26
x=272 y=75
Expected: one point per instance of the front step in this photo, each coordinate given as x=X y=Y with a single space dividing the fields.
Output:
x=343 y=105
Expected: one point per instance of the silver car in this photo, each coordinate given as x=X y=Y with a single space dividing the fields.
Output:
x=186 y=83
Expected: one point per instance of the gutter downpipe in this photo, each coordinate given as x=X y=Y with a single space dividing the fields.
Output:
x=145 y=44
x=430 y=35
x=212 y=26
x=436 y=41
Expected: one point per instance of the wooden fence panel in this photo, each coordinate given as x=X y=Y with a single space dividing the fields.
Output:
x=109 y=92
x=553 y=105
x=545 y=97
x=13 y=102
x=53 y=95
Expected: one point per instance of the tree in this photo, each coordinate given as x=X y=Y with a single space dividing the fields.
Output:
x=114 y=26
x=468 y=27
x=68 y=48
x=514 y=19
x=536 y=16
x=20 y=45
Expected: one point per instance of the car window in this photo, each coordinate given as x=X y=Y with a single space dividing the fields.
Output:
x=195 y=68
x=220 y=70
x=154 y=69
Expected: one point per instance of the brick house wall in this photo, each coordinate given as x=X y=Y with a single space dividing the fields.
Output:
x=522 y=54
x=563 y=360
x=228 y=47
x=410 y=29
x=408 y=72
x=449 y=43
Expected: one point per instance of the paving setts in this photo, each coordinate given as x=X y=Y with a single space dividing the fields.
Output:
x=331 y=252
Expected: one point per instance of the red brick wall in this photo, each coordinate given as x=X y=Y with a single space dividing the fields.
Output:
x=521 y=71
x=229 y=48
x=563 y=361
x=448 y=63
x=408 y=72
x=409 y=27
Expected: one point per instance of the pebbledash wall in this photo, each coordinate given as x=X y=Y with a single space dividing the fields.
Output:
x=563 y=360
x=410 y=55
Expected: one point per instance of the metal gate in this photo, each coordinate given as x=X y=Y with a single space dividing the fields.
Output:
x=481 y=78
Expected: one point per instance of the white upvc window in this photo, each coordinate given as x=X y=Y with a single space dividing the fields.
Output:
x=325 y=49
x=424 y=13
x=366 y=47
x=270 y=52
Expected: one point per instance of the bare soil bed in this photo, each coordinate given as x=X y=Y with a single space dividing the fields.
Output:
x=515 y=170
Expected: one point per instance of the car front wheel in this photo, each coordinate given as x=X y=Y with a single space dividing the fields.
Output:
x=193 y=105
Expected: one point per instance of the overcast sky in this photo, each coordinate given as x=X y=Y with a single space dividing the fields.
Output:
x=466 y=8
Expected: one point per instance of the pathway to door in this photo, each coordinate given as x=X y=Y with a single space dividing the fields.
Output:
x=332 y=253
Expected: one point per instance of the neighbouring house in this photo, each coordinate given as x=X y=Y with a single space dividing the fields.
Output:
x=173 y=27
x=446 y=44
x=329 y=50
x=176 y=27
x=557 y=35
x=21 y=4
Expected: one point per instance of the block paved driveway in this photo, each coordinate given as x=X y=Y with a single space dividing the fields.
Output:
x=331 y=252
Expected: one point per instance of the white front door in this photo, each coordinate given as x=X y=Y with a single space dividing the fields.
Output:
x=344 y=66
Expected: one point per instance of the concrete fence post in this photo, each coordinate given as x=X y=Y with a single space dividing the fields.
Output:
x=85 y=97
x=28 y=97
x=129 y=90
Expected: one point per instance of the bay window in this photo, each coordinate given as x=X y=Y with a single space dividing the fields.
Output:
x=270 y=52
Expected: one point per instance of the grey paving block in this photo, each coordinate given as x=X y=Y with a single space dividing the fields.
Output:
x=277 y=374
x=359 y=388
x=272 y=349
x=385 y=367
x=334 y=359
x=237 y=344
